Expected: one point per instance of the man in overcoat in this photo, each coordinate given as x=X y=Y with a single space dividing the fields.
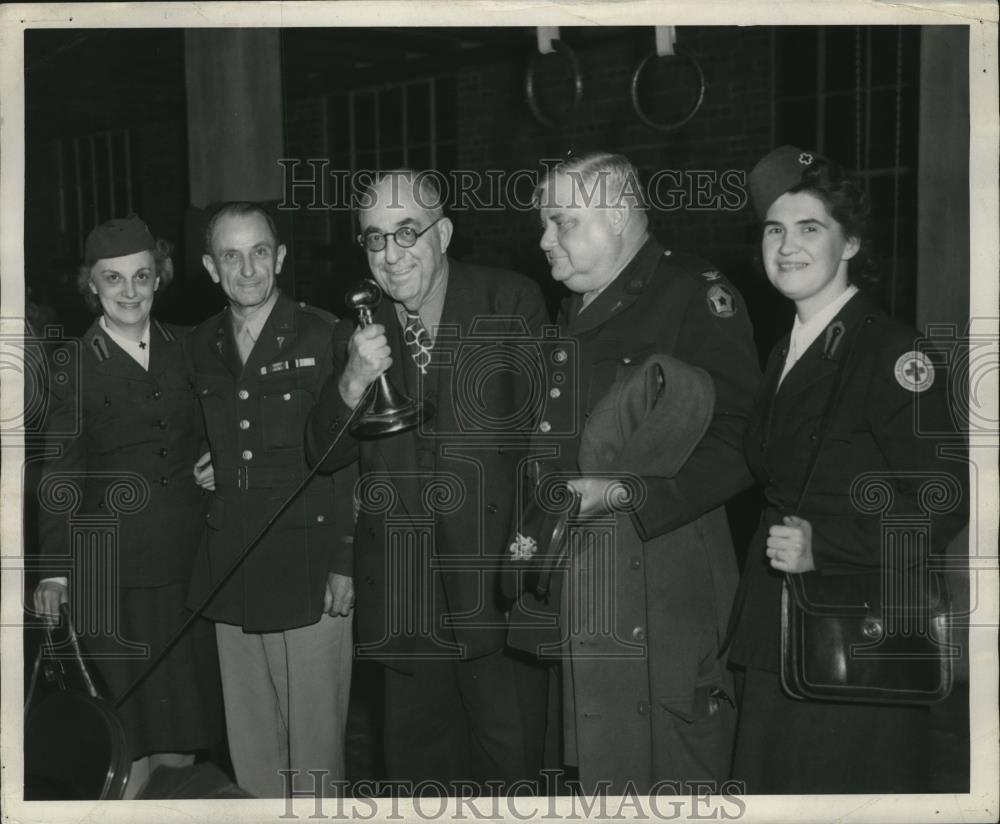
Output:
x=435 y=503
x=642 y=611
x=283 y=619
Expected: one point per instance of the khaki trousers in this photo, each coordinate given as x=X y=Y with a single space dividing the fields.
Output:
x=286 y=696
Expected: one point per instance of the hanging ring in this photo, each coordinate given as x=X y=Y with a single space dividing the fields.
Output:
x=667 y=127
x=566 y=53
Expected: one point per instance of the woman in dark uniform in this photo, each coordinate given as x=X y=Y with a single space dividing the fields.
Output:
x=129 y=472
x=813 y=248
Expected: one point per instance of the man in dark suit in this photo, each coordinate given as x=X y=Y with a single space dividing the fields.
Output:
x=435 y=503
x=647 y=698
x=283 y=620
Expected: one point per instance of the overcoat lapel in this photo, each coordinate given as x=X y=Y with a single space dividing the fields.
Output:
x=621 y=293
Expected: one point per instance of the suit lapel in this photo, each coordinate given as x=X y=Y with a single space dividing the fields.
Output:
x=111 y=358
x=821 y=360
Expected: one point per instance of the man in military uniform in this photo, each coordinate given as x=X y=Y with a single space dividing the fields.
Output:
x=648 y=700
x=283 y=620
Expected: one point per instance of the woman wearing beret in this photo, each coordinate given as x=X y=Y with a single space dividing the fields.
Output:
x=121 y=515
x=837 y=402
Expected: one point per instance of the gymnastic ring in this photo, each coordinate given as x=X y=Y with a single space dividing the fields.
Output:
x=667 y=127
x=565 y=51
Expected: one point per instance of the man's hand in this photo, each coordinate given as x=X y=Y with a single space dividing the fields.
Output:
x=204 y=472
x=49 y=596
x=599 y=495
x=368 y=356
x=339 y=597
x=790 y=546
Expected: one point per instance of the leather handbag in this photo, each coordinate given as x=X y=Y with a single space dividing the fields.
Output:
x=878 y=636
x=74 y=742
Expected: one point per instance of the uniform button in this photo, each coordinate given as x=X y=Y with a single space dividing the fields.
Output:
x=635 y=562
x=626 y=360
x=164 y=481
x=560 y=356
x=642 y=708
x=639 y=634
x=163 y=453
x=204 y=391
x=244 y=424
x=287 y=396
x=554 y=393
x=320 y=518
x=161 y=424
x=247 y=454
x=243 y=394
x=545 y=426
x=491 y=508
x=156 y=394
x=812 y=436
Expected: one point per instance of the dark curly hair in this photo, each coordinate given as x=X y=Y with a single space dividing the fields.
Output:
x=162 y=263
x=850 y=206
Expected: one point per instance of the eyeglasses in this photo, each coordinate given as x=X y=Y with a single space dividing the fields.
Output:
x=405 y=237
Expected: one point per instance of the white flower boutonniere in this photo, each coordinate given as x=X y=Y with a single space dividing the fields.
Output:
x=523 y=548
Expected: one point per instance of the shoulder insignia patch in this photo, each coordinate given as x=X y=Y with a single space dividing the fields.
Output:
x=711 y=274
x=721 y=301
x=914 y=371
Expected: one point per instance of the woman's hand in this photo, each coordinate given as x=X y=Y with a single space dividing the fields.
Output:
x=204 y=472
x=49 y=596
x=790 y=546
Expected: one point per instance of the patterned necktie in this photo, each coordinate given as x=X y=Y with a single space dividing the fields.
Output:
x=418 y=341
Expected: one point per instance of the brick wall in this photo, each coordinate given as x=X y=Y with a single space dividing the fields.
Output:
x=732 y=130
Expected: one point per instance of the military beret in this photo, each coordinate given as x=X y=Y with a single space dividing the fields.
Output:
x=117 y=238
x=775 y=174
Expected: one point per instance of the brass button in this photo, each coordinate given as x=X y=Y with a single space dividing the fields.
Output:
x=161 y=424
x=545 y=426
x=320 y=518
x=244 y=424
x=626 y=360
x=163 y=453
x=639 y=634
x=642 y=708
x=247 y=454
x=287 y=396
x=560 y=356
x=156 y=394
x=164 y=481
x=635 y=562
x=243 y=394
x=554 y=393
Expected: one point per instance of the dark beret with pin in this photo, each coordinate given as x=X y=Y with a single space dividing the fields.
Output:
x=776 y=173
x=117 y=238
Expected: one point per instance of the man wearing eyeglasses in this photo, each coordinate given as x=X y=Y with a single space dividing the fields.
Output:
x=435 y=503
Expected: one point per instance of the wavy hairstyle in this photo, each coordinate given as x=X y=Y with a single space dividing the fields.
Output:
x=163 y=265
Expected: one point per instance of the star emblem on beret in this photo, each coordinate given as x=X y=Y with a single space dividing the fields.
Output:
x=805 y=158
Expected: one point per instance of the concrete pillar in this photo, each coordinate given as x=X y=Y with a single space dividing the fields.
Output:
x=235 y=119
x=943 y=178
